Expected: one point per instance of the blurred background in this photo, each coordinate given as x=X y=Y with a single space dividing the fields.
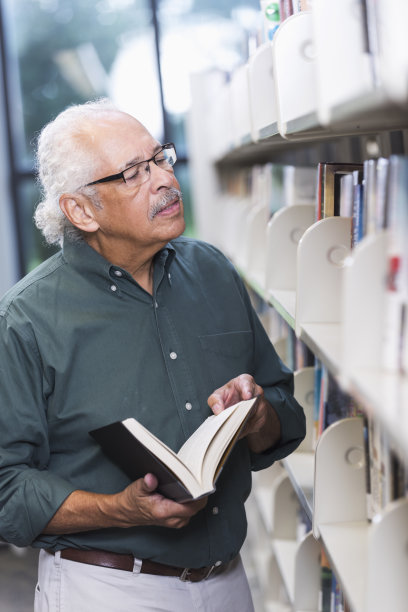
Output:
x=140 y=53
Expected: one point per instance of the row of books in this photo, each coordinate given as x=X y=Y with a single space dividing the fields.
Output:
x=293 y=352
x=297 y=355
x=386 y=469
x=331 y=403
x=373 y=194
x=331 y=596
x=275 y=13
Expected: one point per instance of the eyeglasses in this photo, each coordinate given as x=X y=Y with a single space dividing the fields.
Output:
x=139 y=173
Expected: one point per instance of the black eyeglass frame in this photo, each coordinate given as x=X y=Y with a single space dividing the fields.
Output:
x=121 y=175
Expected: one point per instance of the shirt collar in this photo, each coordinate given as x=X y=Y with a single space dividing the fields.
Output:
x=91 y=263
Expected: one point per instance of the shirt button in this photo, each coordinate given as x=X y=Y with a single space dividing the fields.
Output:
x=156 y=305
x=188 y=406
x=215 y=510
x=173 y=355
x=113 y=288
x=118 y=273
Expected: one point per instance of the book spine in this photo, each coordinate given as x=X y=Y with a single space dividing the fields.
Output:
x=326 y=575
x=317 y=394
x=358 y=209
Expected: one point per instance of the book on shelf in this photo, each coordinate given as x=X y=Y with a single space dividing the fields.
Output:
x=190 y=473
x=286 y=9
x=346 y=195
x=331 y=596
x=337 y=599
x=326 y=578
x=357 y=217
x=317 y=396
x=369 y=198
x=328 y=189
x=381 y=192
x=298 y=355
x=304 y=357
x=331 y=402
x=303 y=523
x=395 y=334
x=373 y=187
x=387 y=472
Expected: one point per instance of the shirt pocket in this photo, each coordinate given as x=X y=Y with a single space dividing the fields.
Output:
x=228 y=355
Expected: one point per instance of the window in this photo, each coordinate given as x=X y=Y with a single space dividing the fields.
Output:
x=138 y=52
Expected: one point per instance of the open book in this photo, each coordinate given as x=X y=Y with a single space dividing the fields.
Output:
x=182 y=476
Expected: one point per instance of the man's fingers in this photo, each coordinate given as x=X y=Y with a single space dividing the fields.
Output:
x=149 y=483
x=240 y=388
x=228 y=394
x=216 y=401
x=246 y=386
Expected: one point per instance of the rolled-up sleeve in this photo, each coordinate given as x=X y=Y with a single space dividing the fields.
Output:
x=29 y=494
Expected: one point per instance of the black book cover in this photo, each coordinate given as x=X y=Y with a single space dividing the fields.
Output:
x=136 y=460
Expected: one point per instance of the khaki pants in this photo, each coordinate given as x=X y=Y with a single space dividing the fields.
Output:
x=67 y=586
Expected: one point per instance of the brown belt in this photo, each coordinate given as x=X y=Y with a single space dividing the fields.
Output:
x=125 y=562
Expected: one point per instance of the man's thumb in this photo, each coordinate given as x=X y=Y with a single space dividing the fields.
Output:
x=149 y=483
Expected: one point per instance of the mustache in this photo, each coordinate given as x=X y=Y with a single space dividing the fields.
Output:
x=171 y=194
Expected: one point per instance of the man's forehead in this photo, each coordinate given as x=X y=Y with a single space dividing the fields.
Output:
x=118 y=120
x=122 y=137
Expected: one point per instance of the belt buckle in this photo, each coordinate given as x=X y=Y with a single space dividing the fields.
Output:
x=186 y=572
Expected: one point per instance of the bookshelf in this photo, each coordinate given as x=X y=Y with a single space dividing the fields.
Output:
x=312 y=95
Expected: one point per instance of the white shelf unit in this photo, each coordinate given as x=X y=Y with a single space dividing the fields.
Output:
x=310 y=87
x=287 y=565
x=368 y=557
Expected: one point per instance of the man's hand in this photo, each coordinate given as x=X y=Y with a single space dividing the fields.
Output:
x=136 y=505
x=263 y=427
x=140 y=505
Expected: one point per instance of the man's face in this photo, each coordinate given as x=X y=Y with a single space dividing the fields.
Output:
x=129 y=217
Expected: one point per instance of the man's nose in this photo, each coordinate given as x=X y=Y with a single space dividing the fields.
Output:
x=159 y=177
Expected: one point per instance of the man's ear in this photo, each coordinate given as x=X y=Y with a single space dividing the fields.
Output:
x=79 y=211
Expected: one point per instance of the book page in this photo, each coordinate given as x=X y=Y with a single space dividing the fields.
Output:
x=222 y=441
x=220 y=428
x=164 y=453
x=193 y=450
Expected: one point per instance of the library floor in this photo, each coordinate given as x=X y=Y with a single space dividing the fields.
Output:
x=18 y=575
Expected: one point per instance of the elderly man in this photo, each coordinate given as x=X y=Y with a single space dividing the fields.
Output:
x=128 y=319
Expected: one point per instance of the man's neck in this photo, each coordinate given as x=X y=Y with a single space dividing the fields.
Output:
x=138 y=263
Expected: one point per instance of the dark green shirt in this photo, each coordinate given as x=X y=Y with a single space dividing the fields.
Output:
x=82 y=345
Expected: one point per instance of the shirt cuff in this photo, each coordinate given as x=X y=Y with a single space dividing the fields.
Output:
x=292 y=424
x=33 y=503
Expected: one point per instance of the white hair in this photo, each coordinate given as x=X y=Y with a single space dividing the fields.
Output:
x=64 y=165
